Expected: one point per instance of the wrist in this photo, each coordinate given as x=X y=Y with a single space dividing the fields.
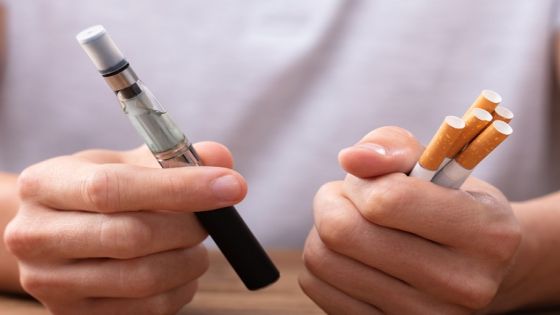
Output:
x=534 y=278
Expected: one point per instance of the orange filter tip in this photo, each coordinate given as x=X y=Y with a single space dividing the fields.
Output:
x=483 y=144
x=442 y=141
x=487 y=100
x=476 y=120
x=503 y=113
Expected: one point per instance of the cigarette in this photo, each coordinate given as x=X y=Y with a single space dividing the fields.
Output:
x=476 y=120
x=487 y=100
x=454 y=174
x=502 y=113
x=434 y=154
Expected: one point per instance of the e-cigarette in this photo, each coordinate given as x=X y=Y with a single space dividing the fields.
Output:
x=172 y=149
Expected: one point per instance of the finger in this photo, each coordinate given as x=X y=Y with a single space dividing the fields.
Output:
x=113 y=278
x=68 y=183
x=167 y=303
x=445 y=216
x=369 y=285
x=210 y=153
x=382 y=151
x=423 y=264
x=214 y=154
x=331 y=300
x=38 y=233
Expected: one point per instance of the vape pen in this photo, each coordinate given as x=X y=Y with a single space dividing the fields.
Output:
x=172 y=149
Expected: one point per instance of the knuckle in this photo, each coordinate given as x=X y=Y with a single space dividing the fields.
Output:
x=479 y=295
x=197 y=236
x=37 y=283
x=192 y=233
x=139 y=279
x=160 y=305
x=304 y=283
x=335 y=229
x=197 y=259
x=21 y=239
x=170 y=302
x=508 y=239
x=28 y=183
x=32 y=285
x=313 y=258
x=322 y=198
x=503 y=231
x=309 y=258
x=474 y=290
x=384 y=198
x=325 y=192
x=326 y=188
x=57 y=308
x=203 y=260
x=101 y=189
x=16 y=239
x=308 y=284
x=125 y=235
x=190 y=292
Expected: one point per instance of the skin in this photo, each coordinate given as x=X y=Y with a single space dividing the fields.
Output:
x=95 y=251
x=386 y=243
x=9 y=274
x=92 y=239
x=104 y=232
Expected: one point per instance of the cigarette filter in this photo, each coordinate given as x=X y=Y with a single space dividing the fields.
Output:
x=502 y=113
x=487 y=100
x=485 y=143
x=476 y=120
x=454 y=174
x=433 y=155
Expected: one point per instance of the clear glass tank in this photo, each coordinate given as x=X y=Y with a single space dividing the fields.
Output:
x=151 y=120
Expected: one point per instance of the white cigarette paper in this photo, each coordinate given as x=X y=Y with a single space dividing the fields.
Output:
x=419 y=172
x=453 y=175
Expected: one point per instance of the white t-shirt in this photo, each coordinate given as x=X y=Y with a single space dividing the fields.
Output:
x=285 y=84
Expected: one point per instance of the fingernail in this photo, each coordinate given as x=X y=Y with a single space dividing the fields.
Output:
x=373 y=147
x=226 y=188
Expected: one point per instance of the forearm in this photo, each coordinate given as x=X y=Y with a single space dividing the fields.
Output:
x=9 y=275
x=535 y=278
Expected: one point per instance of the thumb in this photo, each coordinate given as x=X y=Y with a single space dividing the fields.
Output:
x=384 y=150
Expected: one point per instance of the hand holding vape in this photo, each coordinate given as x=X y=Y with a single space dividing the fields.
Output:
x=172 y=149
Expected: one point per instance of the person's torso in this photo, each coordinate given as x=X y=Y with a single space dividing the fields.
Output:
x=284 y=84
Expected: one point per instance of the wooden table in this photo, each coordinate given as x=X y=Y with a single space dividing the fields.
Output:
x=221 y=292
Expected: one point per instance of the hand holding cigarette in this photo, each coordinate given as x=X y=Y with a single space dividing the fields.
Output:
x=104 y=232
x=387 y=243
